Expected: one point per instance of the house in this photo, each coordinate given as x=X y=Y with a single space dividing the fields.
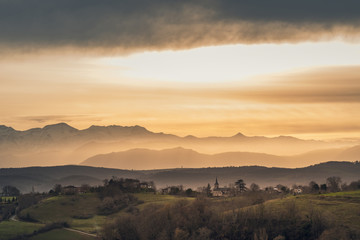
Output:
x=298 y=191
x=166 y=190
x=147 y=186
x=70 y=190
x=172 y=190
x=144 y=185
x=220 y=192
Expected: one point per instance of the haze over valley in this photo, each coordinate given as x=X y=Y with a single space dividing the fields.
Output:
x=136 y=147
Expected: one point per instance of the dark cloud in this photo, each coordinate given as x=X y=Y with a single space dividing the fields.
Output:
x=324 y=11
x=131 y=25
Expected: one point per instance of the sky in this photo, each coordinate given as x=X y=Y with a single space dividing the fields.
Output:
x=202 y=67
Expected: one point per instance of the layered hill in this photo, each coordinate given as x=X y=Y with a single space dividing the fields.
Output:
x=61 y=144
x=180 y=157
x=44 y=178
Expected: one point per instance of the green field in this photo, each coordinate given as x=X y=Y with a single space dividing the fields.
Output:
x=63 y=208
x=151 y=198
x=61 y=234
x=10 y=229
x=337 y=209
x=4 y=199
x=80 y=211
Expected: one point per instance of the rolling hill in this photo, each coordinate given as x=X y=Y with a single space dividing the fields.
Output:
x=43 y=178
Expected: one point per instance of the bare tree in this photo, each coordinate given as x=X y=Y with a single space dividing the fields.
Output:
x=254 y=187
x=333 y=183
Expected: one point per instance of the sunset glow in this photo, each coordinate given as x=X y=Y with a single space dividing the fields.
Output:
x=305 y=89
x=203 y=70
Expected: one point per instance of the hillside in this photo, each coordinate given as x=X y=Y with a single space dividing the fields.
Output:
x=261 y=175
x=43 y=178
x=326 y=215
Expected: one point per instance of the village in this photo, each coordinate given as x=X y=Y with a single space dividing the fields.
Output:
x=215 y=190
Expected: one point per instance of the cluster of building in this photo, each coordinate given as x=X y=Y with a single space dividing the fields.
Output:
x=215 y=191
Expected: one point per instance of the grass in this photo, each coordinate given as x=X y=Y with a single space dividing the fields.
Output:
x=11 y=229
x=5 y=199
x=80 y=211
x=91 y=225
x=63 y=208
x=352 y=194
x=341 y=209
x=61 y=234
x=150 y=198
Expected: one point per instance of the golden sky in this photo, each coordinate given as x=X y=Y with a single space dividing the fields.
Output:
x=204 y=70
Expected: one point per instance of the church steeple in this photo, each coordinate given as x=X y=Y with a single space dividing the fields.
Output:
x=216 y=185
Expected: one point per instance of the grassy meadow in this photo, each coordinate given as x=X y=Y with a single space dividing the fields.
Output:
x=341 y=210
x=80 y=211
x=11 y=229
x=61 y=234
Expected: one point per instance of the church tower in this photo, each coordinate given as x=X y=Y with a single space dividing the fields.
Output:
x=216 y=185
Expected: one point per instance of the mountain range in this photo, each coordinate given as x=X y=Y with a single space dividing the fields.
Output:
x=180 y=157
x=135 y=147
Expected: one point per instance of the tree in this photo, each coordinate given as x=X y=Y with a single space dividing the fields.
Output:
x=240 y=184
x=283 y=188
x=85 y=188
x=354 y=185
x=208 y=190
x=181 y=234
x=189 y=192
x=254 y=187
x=333 y=183
x=323 y=187
x=314 y=187
x=175 y=190
x=57 y=189
x=10 y=191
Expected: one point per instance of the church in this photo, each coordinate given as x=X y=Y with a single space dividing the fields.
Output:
x=220 y=192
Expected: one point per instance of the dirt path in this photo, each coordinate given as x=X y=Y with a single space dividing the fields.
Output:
x=14 y=218
x=81 y=232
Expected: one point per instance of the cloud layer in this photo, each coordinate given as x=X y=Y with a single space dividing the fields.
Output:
x=323 y=85
x=321 y=101
x=132 y=25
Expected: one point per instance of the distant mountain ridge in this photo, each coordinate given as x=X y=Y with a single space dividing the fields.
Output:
x=178 y=157
x=65 y=134
x=59 y=130
x=62 y=131
x=62 y=144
